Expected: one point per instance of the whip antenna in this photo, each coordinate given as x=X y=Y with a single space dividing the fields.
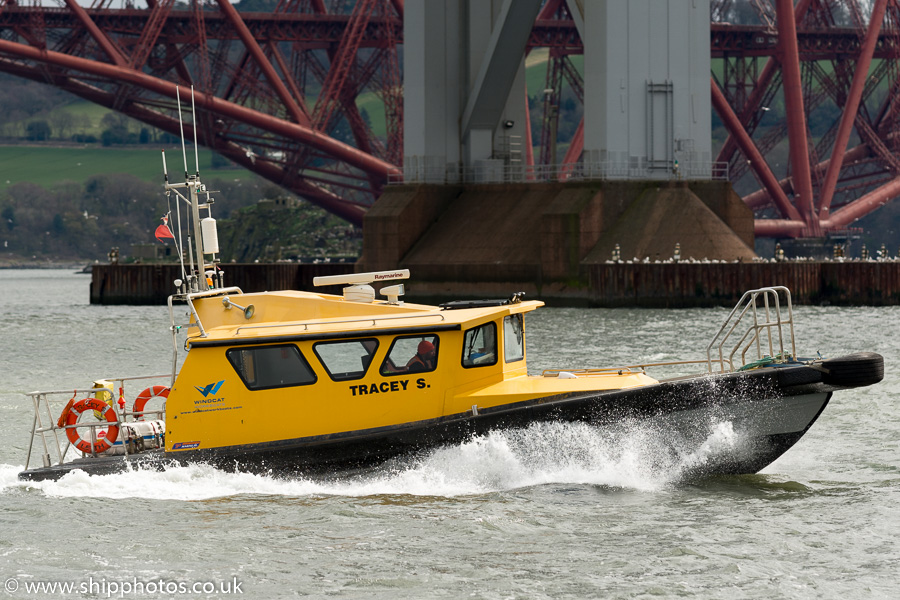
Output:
x=194 y=123
x=165 y=170
x=181 y=127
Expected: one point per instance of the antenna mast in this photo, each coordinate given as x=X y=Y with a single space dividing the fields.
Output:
x=181 y=128
x=194 y=187
x=194 y=124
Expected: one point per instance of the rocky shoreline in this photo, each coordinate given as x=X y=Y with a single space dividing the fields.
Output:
x=48 y=263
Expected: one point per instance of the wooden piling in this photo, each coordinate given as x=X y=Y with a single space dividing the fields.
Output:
x=661 y=285
x=723 y=283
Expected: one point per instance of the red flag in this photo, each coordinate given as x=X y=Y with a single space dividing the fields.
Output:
x=163 y=230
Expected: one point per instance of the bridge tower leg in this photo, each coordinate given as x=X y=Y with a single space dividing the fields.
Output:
x=647 y=121
x=646 y=89
x=464 y=80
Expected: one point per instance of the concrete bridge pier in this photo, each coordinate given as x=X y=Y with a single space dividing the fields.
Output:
x=542 y=238
x=472 y=214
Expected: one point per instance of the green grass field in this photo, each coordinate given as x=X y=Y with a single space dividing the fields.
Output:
x=88 y=117
x=46 y=166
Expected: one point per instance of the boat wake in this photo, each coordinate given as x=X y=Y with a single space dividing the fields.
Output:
x=628 y=456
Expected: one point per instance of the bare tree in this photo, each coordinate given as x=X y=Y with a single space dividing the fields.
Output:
x=62 y=122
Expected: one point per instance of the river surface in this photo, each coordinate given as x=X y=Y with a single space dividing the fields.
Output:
x=551 y=512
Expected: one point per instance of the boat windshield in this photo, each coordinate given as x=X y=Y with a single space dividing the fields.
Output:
x=480 y=346
x=513 y=338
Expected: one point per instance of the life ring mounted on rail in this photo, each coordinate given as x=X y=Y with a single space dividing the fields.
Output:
x=106 y=411
x=155 y=391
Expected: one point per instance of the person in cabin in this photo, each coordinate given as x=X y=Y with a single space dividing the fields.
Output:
x=423 y=360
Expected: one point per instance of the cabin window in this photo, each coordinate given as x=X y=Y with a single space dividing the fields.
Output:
x=480 y=346
x=346 y=360
x=513 y=338
x=411 y=354
x=267 y=367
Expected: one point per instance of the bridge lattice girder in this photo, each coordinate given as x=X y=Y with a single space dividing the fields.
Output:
x=252 y=78
x=269 y=95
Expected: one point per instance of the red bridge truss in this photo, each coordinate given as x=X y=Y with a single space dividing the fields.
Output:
x=279 y=92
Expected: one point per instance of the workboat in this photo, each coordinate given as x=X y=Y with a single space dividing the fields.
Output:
x=298 y=382
x=302 y=382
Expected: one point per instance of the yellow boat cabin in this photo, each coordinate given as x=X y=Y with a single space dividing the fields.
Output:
x=302 y=365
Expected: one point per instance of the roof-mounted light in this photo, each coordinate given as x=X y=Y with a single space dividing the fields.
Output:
x=393 y=293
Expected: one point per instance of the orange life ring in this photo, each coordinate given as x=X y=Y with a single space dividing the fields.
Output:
x=112 y=432
x=156 y=391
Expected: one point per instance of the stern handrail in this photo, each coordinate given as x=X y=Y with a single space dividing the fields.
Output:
x=42 y=400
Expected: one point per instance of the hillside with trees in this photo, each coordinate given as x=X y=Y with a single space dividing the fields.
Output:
x=82 y=220
x=77 y=223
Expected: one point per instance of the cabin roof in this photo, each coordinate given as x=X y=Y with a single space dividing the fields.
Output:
x=296 y=315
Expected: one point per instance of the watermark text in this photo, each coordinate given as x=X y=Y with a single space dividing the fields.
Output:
x=119 y=588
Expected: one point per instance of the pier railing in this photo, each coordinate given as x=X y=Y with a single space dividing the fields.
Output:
x=498 y=171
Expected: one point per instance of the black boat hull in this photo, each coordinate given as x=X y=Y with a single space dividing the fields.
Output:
x=769 y=409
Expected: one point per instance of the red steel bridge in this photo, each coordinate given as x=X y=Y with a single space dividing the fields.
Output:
x=279 y=92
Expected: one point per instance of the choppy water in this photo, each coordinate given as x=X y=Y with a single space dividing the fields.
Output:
x=551 y=512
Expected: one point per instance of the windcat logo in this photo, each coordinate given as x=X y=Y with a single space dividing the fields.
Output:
x=209 y=390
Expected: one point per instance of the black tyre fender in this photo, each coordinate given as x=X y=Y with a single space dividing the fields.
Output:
x=853 y=370
x=800 y=375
